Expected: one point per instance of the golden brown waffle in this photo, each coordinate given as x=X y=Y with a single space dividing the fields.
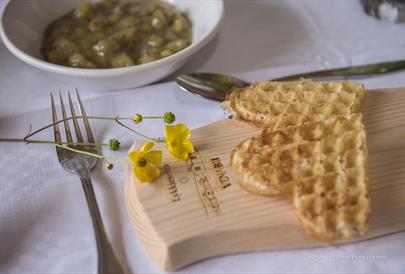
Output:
x=313 y=148
x=335 y=206
x=323 y=164
x=270 y=161
x=280 y=104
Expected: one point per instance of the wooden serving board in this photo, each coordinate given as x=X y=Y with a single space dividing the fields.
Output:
x=197 y=210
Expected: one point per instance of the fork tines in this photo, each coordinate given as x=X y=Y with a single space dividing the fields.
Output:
x=74 y=118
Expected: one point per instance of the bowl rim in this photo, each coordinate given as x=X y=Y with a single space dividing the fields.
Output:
x=64 y=70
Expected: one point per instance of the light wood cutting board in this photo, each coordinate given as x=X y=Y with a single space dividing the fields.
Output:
x=197 y=210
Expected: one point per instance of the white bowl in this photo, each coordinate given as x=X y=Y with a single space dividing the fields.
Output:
x=23 y=23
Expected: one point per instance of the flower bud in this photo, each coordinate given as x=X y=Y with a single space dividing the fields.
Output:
x=137 y=118
x=169 y=117
x=114 y=144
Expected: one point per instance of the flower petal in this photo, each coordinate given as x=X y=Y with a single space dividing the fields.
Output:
x=147 y=173
x=178 y=152
x=139 y=173
x=187 y=146
x=146 y=147
x=182 y=132
x=153 y=157
x=134 y=156
x=170 y=132
x=151 y=172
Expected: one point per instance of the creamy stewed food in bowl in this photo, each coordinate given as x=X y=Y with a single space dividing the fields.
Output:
x=116 y=33
x=108 y=45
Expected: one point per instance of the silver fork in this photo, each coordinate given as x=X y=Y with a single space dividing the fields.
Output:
x=82 y=165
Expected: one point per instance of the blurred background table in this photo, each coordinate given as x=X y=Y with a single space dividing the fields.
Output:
x=43 y=231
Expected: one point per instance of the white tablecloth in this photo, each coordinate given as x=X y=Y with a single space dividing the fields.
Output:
x=44 y=221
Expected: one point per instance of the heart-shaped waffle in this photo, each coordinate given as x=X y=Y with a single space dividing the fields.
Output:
x=304 y=161
x=279 y=104
x=270 y=161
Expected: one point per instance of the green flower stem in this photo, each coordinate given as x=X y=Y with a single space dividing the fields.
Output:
x=88 y=117
x=63 y=145
x=77 y=117
x=152 y=117
x=136 y=132
x=12 y=140
x=90 y=154
x=49 y=142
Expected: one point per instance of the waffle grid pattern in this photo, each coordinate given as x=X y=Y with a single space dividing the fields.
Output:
x=270 y=161
x=281 y=104
x=313 y=148
x=335 y=205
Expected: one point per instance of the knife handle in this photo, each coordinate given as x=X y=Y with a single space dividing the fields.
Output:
x=364 y=70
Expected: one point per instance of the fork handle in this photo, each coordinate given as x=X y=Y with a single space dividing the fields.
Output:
x=107 y=262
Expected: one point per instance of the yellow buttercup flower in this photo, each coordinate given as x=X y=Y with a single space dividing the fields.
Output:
x=177 y=141
x=145 y=162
